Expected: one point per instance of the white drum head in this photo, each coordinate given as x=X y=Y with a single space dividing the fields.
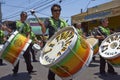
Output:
x=57 y=46
x=92 y=40
x=36 y=47
x=110 y=47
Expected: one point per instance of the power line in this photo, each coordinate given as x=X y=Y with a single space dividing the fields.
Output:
x=27 y=8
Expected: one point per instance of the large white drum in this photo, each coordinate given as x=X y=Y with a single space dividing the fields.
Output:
x=110 y=49
x=66 y=53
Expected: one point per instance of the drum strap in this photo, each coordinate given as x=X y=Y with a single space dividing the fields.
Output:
x=55 y=24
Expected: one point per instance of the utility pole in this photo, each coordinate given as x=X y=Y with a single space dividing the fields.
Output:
x=0 y=13
x=1 y=2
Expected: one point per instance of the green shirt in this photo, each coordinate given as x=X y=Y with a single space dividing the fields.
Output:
x=32 y=36
x=2 y=35
x=23 y=28
x=80 y=32
x=105 y=30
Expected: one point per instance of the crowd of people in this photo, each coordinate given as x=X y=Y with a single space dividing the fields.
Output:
x=53 y=24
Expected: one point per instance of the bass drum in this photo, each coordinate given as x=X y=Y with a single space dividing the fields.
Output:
x=66 y=53
x=14 y=47
x=94 y=43
x=110 y=49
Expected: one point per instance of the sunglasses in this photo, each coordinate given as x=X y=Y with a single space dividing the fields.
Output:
x=56 y=10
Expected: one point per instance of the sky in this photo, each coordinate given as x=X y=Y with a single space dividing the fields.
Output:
x=12 y=8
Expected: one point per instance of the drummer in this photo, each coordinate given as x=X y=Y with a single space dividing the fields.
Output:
x=34 y=41
x=78 y=26
x=53 y=24
x=2 y=39
x=24 y=29
x=101 y=33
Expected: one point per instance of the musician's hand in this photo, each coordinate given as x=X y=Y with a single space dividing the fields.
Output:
x=4 y=27
x=103 y=37
x=32 y=11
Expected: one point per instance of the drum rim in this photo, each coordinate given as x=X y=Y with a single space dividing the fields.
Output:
x=8 y=42
x=33 y=47
x=1 y=49
x=67 y=51
x=108 y=57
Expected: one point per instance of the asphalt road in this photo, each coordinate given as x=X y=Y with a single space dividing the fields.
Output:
x=90 y=73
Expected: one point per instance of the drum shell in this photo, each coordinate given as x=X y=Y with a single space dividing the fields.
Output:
x=111 y=54
x=115 y=62
x=14 y=47
x=95 y=46
x=74 y=60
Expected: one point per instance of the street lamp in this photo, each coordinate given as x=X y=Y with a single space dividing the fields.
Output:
x=88 y=5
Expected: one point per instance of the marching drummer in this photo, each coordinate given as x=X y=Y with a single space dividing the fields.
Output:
x=2 y=39
x=34 y=41
x=78 y=26
x=101 y=33
x=53 y=24
x=24 y=29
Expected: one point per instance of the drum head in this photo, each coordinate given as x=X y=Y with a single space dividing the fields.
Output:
x=92 y=40
x=36 y=47
x=1 y=47
x=110 y=47
x=57 y=46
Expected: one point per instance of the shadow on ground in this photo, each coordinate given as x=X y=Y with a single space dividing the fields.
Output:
x=108 y=76
x=19 y=76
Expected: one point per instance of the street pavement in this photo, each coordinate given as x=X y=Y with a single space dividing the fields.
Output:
x=90 y=73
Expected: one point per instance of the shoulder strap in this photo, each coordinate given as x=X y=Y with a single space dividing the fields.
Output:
x=53 y=24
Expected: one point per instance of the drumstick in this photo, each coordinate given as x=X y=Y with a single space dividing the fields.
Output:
x=39 y=21
x=100 y=33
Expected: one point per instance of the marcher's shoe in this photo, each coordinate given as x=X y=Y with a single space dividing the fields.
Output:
x=35 y=61
x=30 y=72
x=113 y=73
x=1 y=63
x=103 y=74
x=14 y=74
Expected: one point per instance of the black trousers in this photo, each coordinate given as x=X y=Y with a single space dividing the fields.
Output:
x=27 y=58
x=1 y=61
x=51 y=75
x=32 y=52
x=103 y=65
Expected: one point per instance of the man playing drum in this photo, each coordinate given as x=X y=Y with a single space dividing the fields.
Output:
x=53 y=24
x=101 y=33
x=34 y=41
x=24 y=29
x=2 y=39
x=78 y=26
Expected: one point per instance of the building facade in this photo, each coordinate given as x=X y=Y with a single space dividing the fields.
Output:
x=91 y=17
